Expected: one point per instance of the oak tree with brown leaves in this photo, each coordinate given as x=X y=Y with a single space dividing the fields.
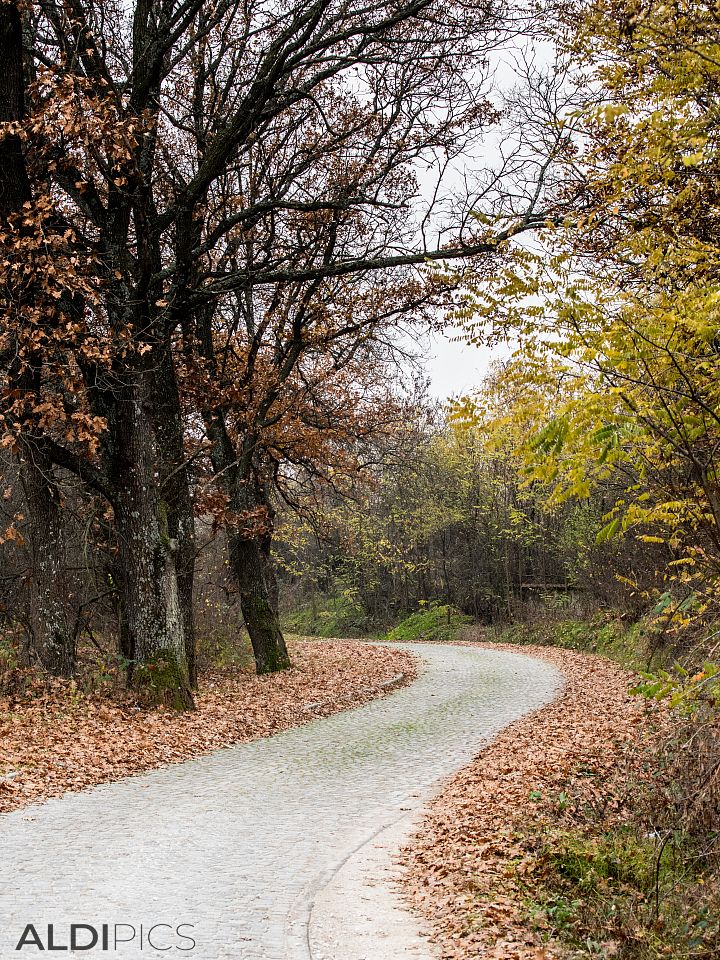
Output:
x=205 y=203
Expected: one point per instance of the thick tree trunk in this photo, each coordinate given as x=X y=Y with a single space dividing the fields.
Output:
x=148 y=554
x=14 y=184
x=176 y=495
x=271 y=581
x=51 y=619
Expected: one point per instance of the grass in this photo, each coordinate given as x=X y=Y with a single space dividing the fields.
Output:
x=340 y=616
x=604 y=634
x=434 y=622
x=343 y=616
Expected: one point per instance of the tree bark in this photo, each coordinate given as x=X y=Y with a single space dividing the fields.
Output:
x=51 y=619
x=176 y=495
x=249 y=558
x=256 y=601
x=148 y=554
x=269 y=573
x=14 y=183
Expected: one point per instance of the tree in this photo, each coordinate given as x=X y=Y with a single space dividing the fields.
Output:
x=187 y=159
x=33 y=305
x=446 y=513
x=622 y=302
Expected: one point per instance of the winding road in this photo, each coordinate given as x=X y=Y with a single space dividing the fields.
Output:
x=259 y=851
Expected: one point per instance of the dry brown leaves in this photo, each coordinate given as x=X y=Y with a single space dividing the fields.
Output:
x=464 y=868
x=60 y=741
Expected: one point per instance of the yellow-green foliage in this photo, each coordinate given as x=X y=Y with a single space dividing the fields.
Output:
x=616 y=379
x=340 y=616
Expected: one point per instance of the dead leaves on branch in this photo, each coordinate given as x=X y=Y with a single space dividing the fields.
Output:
x=56 y=740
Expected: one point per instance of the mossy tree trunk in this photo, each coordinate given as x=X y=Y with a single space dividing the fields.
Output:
x=155 y=633
x=176 y=495
x=51 y=622
x=256 y=602
x=249 y=556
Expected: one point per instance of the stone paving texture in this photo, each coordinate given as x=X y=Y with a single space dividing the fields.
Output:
x=240 y=842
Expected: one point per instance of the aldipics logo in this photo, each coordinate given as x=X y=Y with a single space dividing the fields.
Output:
x=108 y=937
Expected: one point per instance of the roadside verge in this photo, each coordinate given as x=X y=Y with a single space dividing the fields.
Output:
x=468 y=870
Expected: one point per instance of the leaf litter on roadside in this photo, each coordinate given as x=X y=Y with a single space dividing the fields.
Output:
x=466 y=870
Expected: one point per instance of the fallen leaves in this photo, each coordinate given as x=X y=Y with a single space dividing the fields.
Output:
x=58 y=740
x=464 y=870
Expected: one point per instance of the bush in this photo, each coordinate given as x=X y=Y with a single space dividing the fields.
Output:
x=341 y=616
x=627 y=893
x=224 y=649
x=637 y=876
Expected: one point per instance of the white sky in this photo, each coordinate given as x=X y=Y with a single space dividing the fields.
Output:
x=456 y=368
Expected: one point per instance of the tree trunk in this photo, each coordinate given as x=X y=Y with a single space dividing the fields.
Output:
x=14 y=184
x=50 y=617
x=155 y=623
x=51 y=620
x=256 y=601
x=250 y=561
x=175 y=492
x=271 y=580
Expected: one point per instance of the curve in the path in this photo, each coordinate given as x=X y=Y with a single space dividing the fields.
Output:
x=239 y=843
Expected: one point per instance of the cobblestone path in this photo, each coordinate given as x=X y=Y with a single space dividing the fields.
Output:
x=238 y=844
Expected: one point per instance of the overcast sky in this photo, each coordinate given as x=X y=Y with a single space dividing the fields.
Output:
x=456 y=368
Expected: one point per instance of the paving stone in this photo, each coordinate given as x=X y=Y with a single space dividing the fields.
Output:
x=238 y=843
